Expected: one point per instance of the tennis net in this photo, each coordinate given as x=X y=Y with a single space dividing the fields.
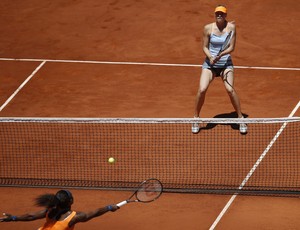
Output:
x=74 y=152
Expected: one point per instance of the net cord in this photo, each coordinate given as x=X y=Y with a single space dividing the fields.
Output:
x=151 y=120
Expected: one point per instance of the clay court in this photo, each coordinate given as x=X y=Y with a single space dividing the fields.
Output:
x=140 y=59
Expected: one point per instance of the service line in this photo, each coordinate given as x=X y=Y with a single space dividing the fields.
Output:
x=139 y=63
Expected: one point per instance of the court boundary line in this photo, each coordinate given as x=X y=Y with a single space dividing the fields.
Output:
x=22 y=85
x=228 y=204
x=140 y=63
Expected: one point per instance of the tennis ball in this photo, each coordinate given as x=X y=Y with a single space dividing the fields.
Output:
x=111 y=160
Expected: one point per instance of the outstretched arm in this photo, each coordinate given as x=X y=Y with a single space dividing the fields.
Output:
x=25 y=217
x=83 y=217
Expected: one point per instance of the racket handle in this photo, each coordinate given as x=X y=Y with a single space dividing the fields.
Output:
x=122 y=203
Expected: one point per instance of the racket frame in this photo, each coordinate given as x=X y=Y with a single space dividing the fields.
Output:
x=130 y=200
x=227 y=44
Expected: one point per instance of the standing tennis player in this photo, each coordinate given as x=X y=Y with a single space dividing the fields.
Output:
x=218 y=64
x=57 y=212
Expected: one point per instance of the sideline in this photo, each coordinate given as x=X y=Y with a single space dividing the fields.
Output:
x=140 y=63
x=22 y=85
x=253 y=169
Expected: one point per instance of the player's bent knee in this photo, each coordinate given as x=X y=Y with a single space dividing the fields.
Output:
x=231 y=92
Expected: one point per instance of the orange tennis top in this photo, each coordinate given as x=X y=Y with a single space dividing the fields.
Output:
x=58 y=224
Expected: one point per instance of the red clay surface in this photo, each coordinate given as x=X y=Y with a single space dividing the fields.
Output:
x=144 y=31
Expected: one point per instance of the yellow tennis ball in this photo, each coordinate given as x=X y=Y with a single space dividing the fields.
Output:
x=111 y=160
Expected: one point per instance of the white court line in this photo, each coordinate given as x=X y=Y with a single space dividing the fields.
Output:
x=22 y=85
x=253 y=169
x=140 y=63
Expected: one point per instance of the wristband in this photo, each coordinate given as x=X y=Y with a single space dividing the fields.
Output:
x=109 y=208
x=13 y=218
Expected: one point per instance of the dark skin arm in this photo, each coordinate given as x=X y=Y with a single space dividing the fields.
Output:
x=25 y=217
x=79 y=217
x=83 y=217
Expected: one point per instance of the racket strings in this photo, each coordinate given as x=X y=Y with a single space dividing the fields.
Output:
x=149 y=191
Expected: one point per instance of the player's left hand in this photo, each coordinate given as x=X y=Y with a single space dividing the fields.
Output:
x=7 y=218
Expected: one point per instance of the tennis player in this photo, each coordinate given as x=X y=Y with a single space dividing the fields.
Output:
x=215 y=64
x=58 y=213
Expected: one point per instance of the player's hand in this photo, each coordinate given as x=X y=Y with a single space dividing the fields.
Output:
x=7 y=218
x=214 y=60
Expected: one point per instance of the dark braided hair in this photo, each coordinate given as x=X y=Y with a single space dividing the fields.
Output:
x=58 y=204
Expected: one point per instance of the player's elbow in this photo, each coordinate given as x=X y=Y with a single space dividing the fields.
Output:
x=90 y=215
x=232 y=48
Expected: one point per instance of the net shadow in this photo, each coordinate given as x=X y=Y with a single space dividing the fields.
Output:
x=209 y=126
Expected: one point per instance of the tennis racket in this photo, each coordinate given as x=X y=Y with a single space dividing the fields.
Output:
x=148 y=191
x=226 y=42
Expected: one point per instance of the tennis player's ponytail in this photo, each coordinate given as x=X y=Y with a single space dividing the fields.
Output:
x=47 y=201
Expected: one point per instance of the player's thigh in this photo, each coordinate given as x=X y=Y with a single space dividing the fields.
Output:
x=205 y=79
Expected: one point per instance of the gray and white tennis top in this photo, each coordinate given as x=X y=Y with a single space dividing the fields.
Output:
x=215 y=44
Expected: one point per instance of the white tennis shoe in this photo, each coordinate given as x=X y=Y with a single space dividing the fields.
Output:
x=195 y=127
x=243 y=128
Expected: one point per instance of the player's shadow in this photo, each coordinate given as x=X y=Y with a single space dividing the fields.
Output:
x=223 y=115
